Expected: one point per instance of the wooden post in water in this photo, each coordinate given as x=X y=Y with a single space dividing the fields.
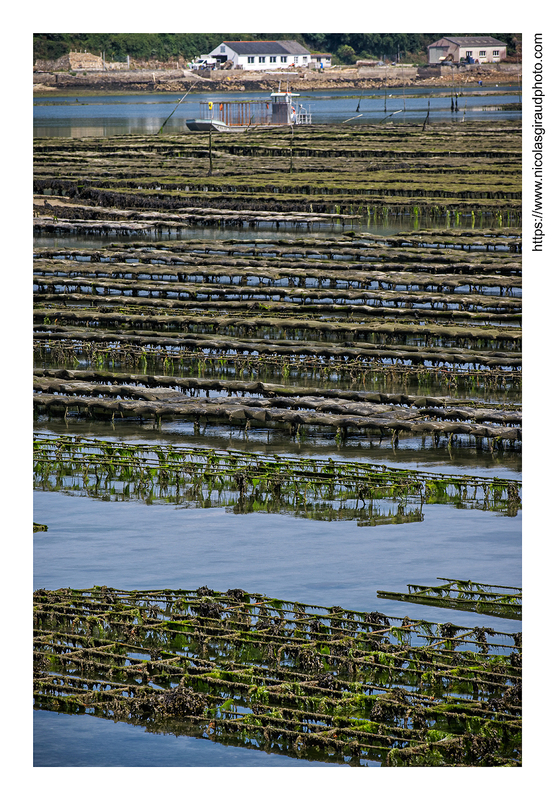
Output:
x=427 y=117
x=210 y=150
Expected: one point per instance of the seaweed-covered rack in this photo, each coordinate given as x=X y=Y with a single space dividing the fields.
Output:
x=309 y=487
x=324 y=683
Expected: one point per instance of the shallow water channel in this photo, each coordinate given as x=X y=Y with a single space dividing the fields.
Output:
x=112 y=115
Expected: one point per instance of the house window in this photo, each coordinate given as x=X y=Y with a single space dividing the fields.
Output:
x=468 y=53
x=261 y=59
x=304 y=58
x=273 y=59
x=222 y=48
x=482 y=53
x=296 y=59
x=250 y=59
x=496 y=52
x=284 y=59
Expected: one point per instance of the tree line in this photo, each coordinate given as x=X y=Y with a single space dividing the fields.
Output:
x=346 y=48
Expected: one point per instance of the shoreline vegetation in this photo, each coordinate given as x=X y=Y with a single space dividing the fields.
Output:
x=162 y=62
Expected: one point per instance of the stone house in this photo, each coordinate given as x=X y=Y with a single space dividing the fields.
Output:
x=470 y=49
x=70 y=62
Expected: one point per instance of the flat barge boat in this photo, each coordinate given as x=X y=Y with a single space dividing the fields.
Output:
x=229 y=115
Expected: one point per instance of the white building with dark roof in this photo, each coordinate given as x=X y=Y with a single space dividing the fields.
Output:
x=262 y=55
x=471 y=49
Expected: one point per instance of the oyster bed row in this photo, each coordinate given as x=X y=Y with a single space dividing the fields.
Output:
x=126 y=303
x=245 y=669
x=246 y=482
x=320 y=169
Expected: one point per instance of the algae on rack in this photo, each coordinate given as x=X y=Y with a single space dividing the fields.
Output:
x=245 y=669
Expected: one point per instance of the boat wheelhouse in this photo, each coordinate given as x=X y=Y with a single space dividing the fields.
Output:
x=239 y=115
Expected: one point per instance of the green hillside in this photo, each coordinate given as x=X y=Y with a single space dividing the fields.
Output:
x=345 y=47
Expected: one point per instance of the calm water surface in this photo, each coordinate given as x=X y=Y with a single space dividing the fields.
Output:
x=267 y=231
x=131 y=545
x=87 y=741
x=110 y=115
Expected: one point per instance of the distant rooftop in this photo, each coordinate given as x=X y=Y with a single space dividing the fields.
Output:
x=285 y=47
x=467 y=41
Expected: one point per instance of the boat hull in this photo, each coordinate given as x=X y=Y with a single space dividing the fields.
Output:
x=211 y=125
x=217 y=125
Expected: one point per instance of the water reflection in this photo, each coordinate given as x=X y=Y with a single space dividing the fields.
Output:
x=392 y=224
x=106 y=115
x=411 y=454
x=64 y=740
